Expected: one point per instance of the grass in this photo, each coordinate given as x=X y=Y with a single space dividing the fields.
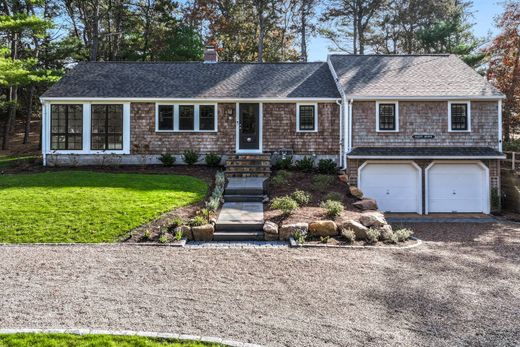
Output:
x=69 y=340
x=79 y=206
x=8 y=160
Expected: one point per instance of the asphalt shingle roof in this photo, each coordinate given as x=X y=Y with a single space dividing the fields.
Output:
x=424 y=152
x=409 y=76
x=196 y=80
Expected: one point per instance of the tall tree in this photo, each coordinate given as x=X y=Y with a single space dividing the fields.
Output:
x=504 y=64
x=303 y=24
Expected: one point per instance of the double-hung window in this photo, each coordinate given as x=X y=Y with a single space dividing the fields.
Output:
x=187 y=117
x=306 y=118
x=66 y=127
x=459 y=116
x=387 y=116
x=107 y=127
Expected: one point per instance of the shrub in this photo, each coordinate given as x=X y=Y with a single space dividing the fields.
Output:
x=220 y=179
x=306 y=164
x=301 y=197
x=327 y=167
x=321 y=182
x=175 y=223
x=324 y=239
x=385 y=234
x=349 y=235
x=284 y=163
x=284 y=203
x=213 y=204
x=281 y=177
x=197 y=221
x=167 y=159
x=332 y=208
x=299 y=237
x=334 y=196
x=403 y=234
x=218 y=192
x=163 y=239
x=284 y=173
x=147 y=235
x=372 y=236
x=190 y=157
x=513 y=145
x=213 y=159
x=178 y=235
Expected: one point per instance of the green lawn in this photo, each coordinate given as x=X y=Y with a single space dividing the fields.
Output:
x=8 y=160
x=78 y=206
x=66 y=340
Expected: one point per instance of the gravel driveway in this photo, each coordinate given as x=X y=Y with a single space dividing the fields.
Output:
x=461 y=287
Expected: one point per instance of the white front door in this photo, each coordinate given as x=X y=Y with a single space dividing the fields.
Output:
x=395 y=186
x=457 y=188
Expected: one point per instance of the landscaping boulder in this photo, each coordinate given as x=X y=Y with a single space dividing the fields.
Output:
x=186 y=231
x=359 y=229
x=386 y=232
x=373 y=219
x=323 y=228
x=288 y=230
x=203 y=232
x=355 y=192
x=270 y=231
x=343 y=178
x=366 y=204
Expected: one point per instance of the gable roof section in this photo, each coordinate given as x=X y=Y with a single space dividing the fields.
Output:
x=195 y=80
x=388 y=76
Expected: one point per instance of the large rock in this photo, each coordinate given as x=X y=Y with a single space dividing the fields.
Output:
x=323 y=228
x=186 y=231
x=288 y=230
x=372 y=219
x=355 y=192
x=386 y=232
x=366 y=204
x=343 y=178
x=203 y=232
x=359 y=229
x=270 y=231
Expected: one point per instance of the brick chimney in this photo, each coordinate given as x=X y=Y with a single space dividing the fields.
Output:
x=210 y=55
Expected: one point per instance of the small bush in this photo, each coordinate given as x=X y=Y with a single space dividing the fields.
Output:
x=306 y=164
x=385 y=234
x=284 y=163
x=324 y=239
x=175 y=223
x=327 y=167
x=147 y=235
x=213 y=204
x=163 y=239
x=284 y=203
x=284 y=173
x=178 y=235
x=321 y=182
x=349 y=235
x=334 y=196
x=281 y=177
x=299 y=237
x=198 y=220
x=372 y=236
x=403 y=234
x=332 y=208
x=213 y=159
x=167 y=159
x=220 y=179
x=190 y=157
x=301 y=197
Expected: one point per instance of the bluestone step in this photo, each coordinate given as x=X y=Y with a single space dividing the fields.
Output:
x=238 y=235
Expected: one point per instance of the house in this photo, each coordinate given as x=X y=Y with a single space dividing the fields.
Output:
x=419 y=133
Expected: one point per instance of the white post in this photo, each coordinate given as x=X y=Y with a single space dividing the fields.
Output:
x=44 y=135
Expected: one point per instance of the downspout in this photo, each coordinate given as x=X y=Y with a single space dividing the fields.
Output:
x=340 y=104
x=342 y=133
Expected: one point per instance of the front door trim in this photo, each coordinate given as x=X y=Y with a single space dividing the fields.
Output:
x=237 y=131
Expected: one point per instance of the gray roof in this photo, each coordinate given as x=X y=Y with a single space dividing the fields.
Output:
x=409 y=76
x=424 y=152
x=196 y=80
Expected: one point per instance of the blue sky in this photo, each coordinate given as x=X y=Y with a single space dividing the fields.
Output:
x=484 y=12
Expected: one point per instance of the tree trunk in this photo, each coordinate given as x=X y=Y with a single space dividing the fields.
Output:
x=304 y=31
x=511 y=97
x=261 y=34
x=13 y=97
x=28 y=116
x=94 y=41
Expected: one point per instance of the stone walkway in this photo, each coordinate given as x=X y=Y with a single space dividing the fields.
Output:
x=241 y=213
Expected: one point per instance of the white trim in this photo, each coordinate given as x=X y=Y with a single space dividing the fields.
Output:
x=260 y=130
x=500 y=125
x=418 y=183
x=343 y=116
x=486 y=203
x=468 y=107
x=422 y=157
x=426 y=98
x=44 y=133
x=396 y=104
x=298 y=117
x=193 y=100
x=196 y=117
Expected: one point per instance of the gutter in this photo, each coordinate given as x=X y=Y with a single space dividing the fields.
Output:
x=424 y=157
x=343 y=133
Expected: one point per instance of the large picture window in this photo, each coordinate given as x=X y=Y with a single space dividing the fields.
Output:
x=387 y=117
x=307 y=118
x=185 y=117
x=107 y=127
x=66 y=127
x=459 y=117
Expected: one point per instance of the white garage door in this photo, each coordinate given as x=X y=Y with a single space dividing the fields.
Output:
x=396 y=187
x=457 y=188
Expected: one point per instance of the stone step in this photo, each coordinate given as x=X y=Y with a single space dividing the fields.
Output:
x=243 y=191
x=243 y=198
x=238 y=235
x=248 y=162
x=249 y=168
x=237 y=226
x=246 y=174
x=249 y=156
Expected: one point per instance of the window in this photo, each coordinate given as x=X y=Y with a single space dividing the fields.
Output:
x=307 y=117
x=66 y=127
x=196 y=117
x=459 y=116
x=165 y=117
x=387 y=117
x=107 y=127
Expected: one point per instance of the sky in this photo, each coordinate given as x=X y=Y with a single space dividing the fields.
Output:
x=484 y=12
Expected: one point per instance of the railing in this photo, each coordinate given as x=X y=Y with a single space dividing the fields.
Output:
x=512 y=161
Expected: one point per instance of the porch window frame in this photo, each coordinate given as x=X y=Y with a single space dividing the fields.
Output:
x=468 y=116
x=67 y=134
x=106 y=135
x=176 y=116
x=315 y=105
x=396 y=116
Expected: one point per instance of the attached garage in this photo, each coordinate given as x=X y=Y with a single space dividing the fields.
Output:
x=396 y=186
x=457 y=187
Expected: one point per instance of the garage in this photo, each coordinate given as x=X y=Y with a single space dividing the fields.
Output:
x=396 y=186
x=457 y=188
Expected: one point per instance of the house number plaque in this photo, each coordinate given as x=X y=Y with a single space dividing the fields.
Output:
x=423 y=136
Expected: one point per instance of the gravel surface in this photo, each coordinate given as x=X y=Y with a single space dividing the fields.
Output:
x=461 y=287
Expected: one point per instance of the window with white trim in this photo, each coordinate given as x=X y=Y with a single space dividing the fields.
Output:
x=106 y=127
x=459 y=116
x=307 y=118
x=186 y=117
x=66 y=127
x=387 y=116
